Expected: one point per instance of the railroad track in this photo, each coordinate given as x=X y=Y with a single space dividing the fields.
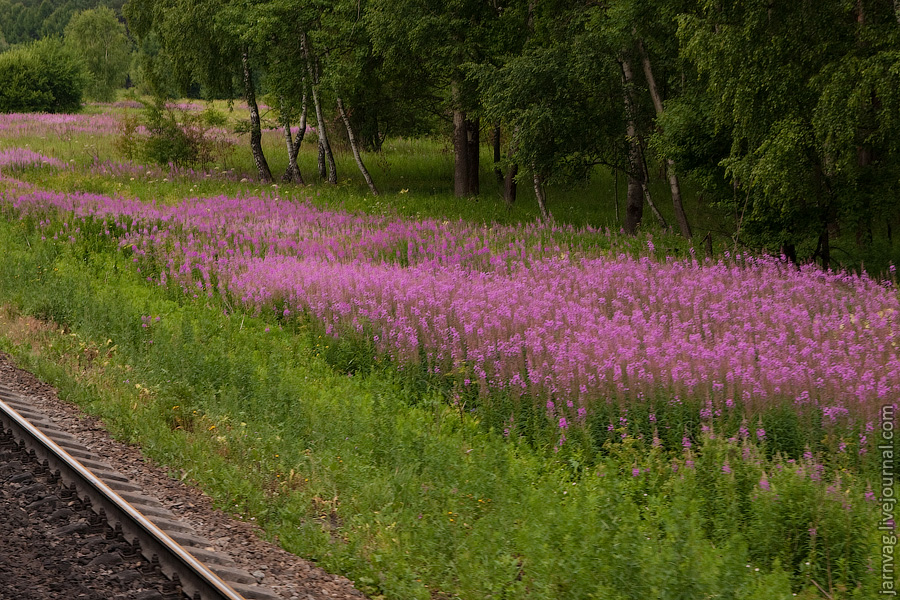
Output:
x=180 y=553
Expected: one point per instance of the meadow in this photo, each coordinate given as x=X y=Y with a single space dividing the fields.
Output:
x=448 y=399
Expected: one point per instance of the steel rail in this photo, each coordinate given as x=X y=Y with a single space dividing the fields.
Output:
x=195 y=578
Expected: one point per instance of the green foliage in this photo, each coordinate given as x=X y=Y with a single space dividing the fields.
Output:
x=151 y=69
x=40 y=77
x=173 y=137
x=100 y=39
x=25 y=21
x=808 y=97
x=189 y=42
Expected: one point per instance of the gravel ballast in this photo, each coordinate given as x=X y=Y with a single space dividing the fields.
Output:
x=289 y=576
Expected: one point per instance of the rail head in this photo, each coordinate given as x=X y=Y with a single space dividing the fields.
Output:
x=195 y=578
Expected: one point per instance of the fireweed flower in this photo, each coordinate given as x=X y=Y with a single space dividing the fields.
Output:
x=870 y=495
x=519 y=313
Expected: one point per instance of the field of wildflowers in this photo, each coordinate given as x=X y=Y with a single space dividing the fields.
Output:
x=513 y=309
x=742 y=389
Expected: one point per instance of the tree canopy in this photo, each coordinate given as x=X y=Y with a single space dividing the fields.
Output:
x=785 y=117
x=101 y=41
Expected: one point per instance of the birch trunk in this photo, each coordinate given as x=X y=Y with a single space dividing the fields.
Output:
x=323 y=168
x=262 y=167
x=674 y=184
x=325 y=153
x=539 y=193
x=354 y=146
x=292 y=173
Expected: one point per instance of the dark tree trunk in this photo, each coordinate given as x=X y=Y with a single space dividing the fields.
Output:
x=509 y=185
x=354 y=146
x=473 y=155
x=465 y=155
x=616 y=195
x=790 y=252
x=674 y=184
x=321 y=131
x=460 y=156
x=465 y=150
x=634 y=204
x=498 y=172
x=634 y=197
x=509 y=180
x=262 y=167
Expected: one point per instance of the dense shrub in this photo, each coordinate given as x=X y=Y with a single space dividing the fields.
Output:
x=40 y=77
x=164 y=136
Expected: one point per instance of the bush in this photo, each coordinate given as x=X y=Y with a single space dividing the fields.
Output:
x=171 y=137
x=40 y=77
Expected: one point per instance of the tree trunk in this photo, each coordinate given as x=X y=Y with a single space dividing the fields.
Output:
x=465 y=155
x=354 y=146
x=509 y=180
x=790 y=252
x=292 y=173
x=539 y=193
x=509 y=185
x=634 y=205
x=674 y=184
x=465 y=150
x=460 y=156
x=645 y=188
x=323 y=168
x=322 y=134
x=262 y=167
x=473 y=153
x=616 y=195
x=498 y=172
x=634 y=198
